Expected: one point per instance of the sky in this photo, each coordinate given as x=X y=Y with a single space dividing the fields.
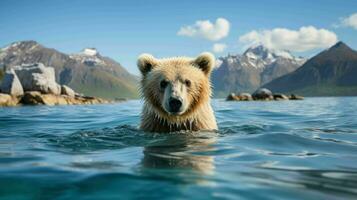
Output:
x=123 y=30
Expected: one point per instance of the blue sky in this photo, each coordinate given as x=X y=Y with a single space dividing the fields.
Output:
x=124 y=29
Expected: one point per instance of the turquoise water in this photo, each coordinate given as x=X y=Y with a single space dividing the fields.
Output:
x=263 y=150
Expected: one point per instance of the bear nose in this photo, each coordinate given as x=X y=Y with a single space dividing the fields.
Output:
x=175 y=104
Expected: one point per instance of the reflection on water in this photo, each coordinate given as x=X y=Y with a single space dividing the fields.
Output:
x=182 y=150
x=263 y=150
x=185 y=152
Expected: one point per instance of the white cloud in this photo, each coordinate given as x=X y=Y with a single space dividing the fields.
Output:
x=219 y=47
x=304 y=39
x=206 y=29
x=350 y=21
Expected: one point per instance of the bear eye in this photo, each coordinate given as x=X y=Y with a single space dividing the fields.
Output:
x=188 y=83
x=163 y=84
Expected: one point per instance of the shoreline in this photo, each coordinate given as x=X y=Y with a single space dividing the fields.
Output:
x=33 y=98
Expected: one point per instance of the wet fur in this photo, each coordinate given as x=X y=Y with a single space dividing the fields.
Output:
x=198 y=116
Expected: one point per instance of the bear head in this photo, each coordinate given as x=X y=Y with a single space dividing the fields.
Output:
x=176 y=87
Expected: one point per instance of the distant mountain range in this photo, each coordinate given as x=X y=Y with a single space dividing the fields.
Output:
x=332 y=72
x=255 y=67
x=86 y=72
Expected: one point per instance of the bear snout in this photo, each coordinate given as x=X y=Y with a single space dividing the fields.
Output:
x=175 y=104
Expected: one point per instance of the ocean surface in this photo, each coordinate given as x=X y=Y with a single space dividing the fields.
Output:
x=263 y=150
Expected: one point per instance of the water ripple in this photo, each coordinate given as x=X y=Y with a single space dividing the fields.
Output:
x=263 y=150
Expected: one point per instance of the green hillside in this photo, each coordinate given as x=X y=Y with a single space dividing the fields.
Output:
x=102 y=84
x=330 y=73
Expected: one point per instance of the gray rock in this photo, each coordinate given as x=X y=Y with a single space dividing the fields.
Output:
x=280 y=97
x=262 y=94
x=11 y=84
x=245 y=97
x=232 y=97
x=65 y=90
x=32 y=98
x=37 y=77
x=240 y=97
x=296 y=97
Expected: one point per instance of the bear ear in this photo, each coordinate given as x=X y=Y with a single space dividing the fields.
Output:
x=145 y=63
x=205 y=61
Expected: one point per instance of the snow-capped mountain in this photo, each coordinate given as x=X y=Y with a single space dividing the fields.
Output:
x=15 y=49
x=88 y=56
x=332 y=72
x=262 y=57
x=255 y=67
x=87 y=72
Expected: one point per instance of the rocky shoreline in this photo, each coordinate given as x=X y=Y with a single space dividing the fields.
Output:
x=35 y=84
x=262 y=94
x=36 y=98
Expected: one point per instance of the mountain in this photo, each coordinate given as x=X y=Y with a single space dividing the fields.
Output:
x=87 y=72
x=255 y=67
x=332 y=72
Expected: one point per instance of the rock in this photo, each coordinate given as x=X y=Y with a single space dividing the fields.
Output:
x=239 y=97
x=296 y=97
x=245 y=97
x=262 y=94
x=36 y=98
x=79 y=95
x=88 y=97
x=280 y=97
x=32 y=98
x=51 y=100
x=232 y=97
x=65 y=90
x=8 y=100
x=89 y=100
x=37 y=77
x=11 y=84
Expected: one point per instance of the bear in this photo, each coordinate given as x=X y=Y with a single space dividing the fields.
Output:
x=176 y=93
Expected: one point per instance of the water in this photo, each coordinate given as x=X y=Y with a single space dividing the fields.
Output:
x=263 y=150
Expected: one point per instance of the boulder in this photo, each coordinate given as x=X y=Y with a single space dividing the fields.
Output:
x=8 y=100
x=11 y=84
x=37 y=77
x=262 y=94
x=89 y=100
x=232 y=97
x=51 y=100
x=296 y=97
x=245 y=97
x=65 y=90
x=279 y=97
x=32 y=98
x=36 y=98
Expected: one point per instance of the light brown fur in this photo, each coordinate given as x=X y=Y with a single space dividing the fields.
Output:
x=198 y=115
